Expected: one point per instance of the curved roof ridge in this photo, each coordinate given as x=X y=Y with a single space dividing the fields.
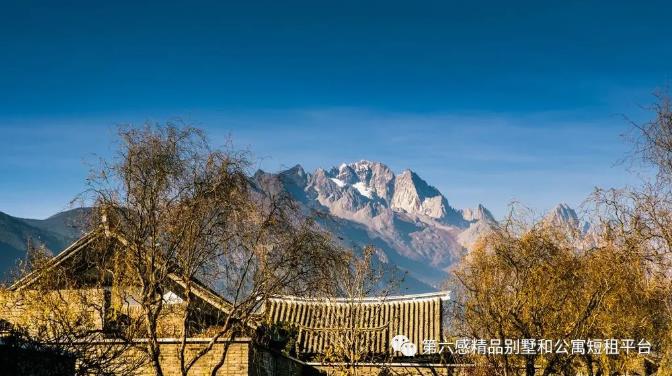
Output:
x=65 y=254
x=443 y=295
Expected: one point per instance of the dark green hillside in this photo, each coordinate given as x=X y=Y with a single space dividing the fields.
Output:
x=55 y=232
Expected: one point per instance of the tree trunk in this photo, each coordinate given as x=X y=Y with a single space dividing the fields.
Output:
x=529 y=367
x=155 y=356
x=185 y=329
x=222 y=359
x=589 y=365
x=153 y=343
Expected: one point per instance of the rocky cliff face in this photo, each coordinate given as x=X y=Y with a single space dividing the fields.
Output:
x=409 y=221
x=562 y=215
x=414 y=195
x=480 y=213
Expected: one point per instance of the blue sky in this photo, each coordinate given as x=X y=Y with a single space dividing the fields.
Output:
x=488 y=101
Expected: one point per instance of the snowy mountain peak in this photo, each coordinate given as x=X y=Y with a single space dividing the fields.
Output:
x=346 y=174
x=372 y=180
x=407 y=218
x=366 y=188
x=373 y=186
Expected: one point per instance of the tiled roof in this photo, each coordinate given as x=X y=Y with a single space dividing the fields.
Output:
x=323 y=322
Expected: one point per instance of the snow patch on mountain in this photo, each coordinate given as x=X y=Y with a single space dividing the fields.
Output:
x=340 y=183
x=363 y=189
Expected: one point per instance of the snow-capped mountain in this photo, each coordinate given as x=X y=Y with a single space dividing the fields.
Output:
x=373 y=187
x=410 y=222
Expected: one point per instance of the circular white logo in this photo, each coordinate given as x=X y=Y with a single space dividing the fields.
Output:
x=403 y=344
x=409 y=349
x=397 y=341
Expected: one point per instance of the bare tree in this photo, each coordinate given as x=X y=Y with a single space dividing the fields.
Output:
x=638 y=219
x=185 y=212
x=354 y=327
x=62 y=312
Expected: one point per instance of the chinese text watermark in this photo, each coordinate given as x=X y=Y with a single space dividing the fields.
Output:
x=533 y=346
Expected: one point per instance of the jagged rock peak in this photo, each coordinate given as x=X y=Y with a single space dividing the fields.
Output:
x=296 y=175
x=372 y=180
x=423 y=189
x=297 y=169
x=373 y=186
x=346 y=174
x=414 y=195
x=563 y=214
x=480 y=213
x=377 y=176
x=321 y=181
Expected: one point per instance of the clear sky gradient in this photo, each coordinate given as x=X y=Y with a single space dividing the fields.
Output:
x=488 y=101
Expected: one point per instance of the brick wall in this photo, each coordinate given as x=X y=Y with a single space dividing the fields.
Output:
x=237 y=361
x=391 y=369
x=32 y=310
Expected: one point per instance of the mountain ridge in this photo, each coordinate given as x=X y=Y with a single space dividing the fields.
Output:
x=411 y=224
x=55 y=233
x=412 y=221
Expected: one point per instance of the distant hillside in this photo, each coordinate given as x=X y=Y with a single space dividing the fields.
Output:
x=55 y=232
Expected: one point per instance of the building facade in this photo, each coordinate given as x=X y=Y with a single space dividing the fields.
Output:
x=325 y=336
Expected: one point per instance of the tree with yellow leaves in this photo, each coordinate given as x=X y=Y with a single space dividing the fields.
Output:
x=558 y=292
